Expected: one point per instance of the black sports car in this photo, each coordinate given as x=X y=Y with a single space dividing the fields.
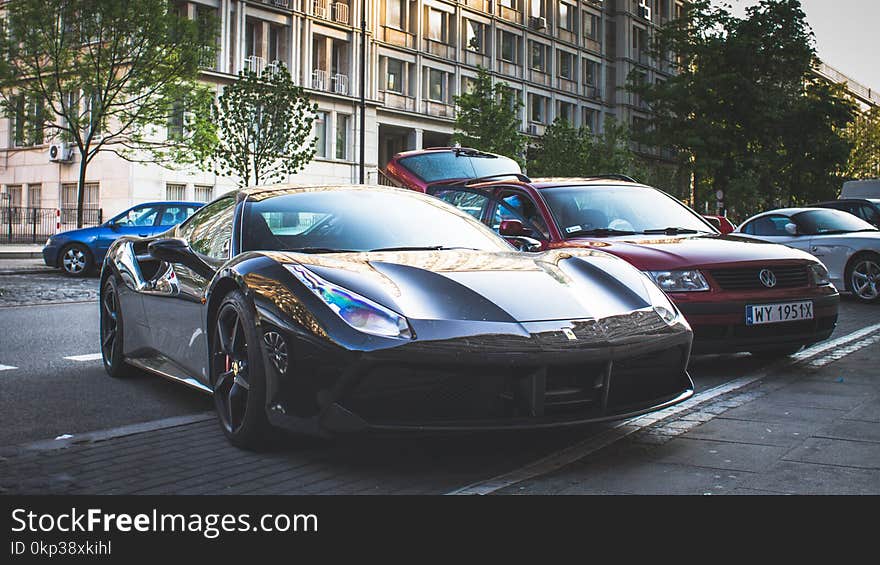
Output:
x=325 y=310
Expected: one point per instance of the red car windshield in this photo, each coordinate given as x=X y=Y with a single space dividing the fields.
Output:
x=433 y=166
x=609 y=210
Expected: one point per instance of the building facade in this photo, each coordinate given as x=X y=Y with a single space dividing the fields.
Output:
x=563 y=58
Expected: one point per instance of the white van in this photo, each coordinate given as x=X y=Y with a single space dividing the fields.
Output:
x=861 y=189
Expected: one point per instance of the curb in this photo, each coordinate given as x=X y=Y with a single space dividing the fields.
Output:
x=21 y=254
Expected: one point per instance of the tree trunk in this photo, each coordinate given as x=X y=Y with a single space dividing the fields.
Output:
x=81 y=188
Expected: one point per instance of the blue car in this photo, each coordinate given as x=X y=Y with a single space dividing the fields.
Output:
x=76 y=252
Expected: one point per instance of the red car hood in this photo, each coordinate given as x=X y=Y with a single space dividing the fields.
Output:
x=657 y=253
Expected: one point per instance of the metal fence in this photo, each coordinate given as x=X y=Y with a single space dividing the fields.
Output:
x=19 y=224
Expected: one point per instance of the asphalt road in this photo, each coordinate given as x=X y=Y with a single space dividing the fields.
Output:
x=58 y=385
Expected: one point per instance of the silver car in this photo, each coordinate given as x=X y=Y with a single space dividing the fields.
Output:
x=849 y=246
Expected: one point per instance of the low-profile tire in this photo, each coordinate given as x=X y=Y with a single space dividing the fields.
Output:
x=75 y=260
x=777 y=353
x=111 y=331
x=238 y=375
x=863 y=277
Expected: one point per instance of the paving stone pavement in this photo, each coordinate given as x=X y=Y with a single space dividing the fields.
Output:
x=45 y=288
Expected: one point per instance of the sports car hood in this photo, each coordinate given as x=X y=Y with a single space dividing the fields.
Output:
x=486 y=286
x=657 y=253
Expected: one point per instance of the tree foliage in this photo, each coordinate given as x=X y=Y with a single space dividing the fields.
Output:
x=259 y=130
x=486 y=118
x=746 y=107
x=864 y=135
x=100 y=74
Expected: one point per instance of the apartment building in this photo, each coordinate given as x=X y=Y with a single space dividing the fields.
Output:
x=562 y=58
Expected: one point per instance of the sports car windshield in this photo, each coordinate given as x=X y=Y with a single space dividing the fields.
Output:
x=448 y=165
x=620 y=210
x=826 y=221
x=327 y=221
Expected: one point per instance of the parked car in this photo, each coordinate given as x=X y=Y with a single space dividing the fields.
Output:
x=327 y=310
x=867 y=209
x=425 y=167
x=868 y=188
x=720 y=223
x=847 y=245
x=76 y=252
x=737 y=294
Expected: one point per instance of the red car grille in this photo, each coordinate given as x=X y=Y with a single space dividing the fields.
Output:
x=750 y=279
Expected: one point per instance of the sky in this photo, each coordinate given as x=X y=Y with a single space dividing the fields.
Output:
x=846 y=34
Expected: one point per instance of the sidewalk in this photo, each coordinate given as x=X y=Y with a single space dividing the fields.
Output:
x=812 y=428
x=21 y=251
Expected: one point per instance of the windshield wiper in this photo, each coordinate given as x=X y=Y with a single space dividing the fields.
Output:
x=418 y=248
x=672 y=231
x=600 y=232
x=322 y=250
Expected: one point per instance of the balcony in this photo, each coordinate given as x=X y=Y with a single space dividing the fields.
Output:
x=591 y=44
x=474 y=59
x=508 y=68
x=540 y=77
x=439 y=48
x=438 y=109
x=536 y=128
x=509 y=14
x=566 y=35
x=286 y=4
x=254 y=64
x=479 y=5
x=397 y=100
x=208 y=59
x=398 y=37
x=331 y=11
x=335 y=83
x=591 y=91
x=566 y=84
x=339 y=84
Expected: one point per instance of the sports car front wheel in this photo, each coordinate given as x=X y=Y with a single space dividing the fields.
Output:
x=238 y=376
x=111 y=330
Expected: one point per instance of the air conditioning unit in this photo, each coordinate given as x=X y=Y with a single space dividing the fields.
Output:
x=60 y=152
x=645 y=12
x=538 y=22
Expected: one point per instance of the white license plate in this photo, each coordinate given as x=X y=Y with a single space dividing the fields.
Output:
x=774 y=313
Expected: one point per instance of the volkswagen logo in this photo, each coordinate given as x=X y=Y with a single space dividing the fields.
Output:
x=767 y=277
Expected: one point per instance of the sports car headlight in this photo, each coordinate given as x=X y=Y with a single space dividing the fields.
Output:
x=662 y=305
x=679 y=281
x=819 y=274
x=357 y=311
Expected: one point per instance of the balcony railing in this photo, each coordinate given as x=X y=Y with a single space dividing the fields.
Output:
x=286 y=4
x=439 y=48
x=591 y=91
x=509 y=14
x=508 y=68
x=340 y=13
x=438 y=109
x=398 y=37
x=397 y=100
x=320 y=80
x=208 y=59
x=474 y=59
x=254 y=64
x=539 y=76
x=481 y=5
x=339 y=84
x=591 y=44
x=566 y=35
x=332 y=11
x=566 y=84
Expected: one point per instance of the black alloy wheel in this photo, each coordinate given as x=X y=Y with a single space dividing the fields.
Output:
x=237 y=374
x=111 y=330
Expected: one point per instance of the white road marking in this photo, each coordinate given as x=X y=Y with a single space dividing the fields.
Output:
x=625 y=428
x=89 y=357
x=7 y=367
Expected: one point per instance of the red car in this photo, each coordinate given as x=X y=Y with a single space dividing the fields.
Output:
x=737 y=294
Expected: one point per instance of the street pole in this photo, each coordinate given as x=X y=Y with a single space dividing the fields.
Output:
x=363 y=84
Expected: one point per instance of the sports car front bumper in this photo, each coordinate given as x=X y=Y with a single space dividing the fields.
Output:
x=499 y=376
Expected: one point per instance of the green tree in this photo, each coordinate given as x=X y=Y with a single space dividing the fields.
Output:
x=486 y=118
x=259 y=130
x=864 y=135
x=744 y=104
x=101 y=74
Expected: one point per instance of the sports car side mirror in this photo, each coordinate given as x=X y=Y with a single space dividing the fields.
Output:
x=175 y=250
x=511 y=228
x=524 y=243
x=791 y=228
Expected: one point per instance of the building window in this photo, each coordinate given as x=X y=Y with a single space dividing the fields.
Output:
x=13 y=195
x=508 y=47
x=27 y=121
x=342 y=136
x=538 y=58
x=588 y=120
x=394 y=13
x=538 y=108
x=91 y=211
x=34 y=195
x=176 y=120
x=321 y=135
x=438 y=26
x=566 y=113
x=566 y=19
x=475 y=36
x=590 y=70
x=566 y=65
x=394 y=78
x=175 y=191
x=437 y=85
x=203 y=192
x=591 y=25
